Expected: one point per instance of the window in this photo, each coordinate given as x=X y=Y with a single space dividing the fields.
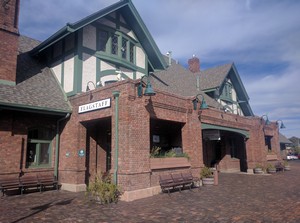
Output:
x=117 y=44
x=268 y=143
x=124 y=48
x=131 y=52
x=38 y=148
x=114 y=45
x=103 y=37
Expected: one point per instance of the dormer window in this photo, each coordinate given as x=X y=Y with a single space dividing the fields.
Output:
x=118 y=44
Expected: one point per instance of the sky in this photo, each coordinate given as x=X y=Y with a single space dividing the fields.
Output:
x=261 y=37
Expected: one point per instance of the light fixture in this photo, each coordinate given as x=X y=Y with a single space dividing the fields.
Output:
x=203 y=104
x=148 y=90
x=95 y=85
x=282 y=126
x=267 y=122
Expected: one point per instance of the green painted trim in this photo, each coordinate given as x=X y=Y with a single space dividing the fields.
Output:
x=240 y=131
x=77 y=85
x=116 y=60
x=6 y=82
x=118 y=25
x=62 y=70
x=116 y=95
x=33 y=109
x=98 y=71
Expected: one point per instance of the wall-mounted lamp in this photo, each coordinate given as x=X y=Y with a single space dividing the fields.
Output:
x=267 y=122
x=148 y=90
x=282 y=126
x=95 y=85
x=203 y=104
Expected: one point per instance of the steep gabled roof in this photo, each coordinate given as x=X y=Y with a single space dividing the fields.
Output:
x=213 y=78
x=36 y=89
x=132 y=17
x=284 y=140
x=180 y=81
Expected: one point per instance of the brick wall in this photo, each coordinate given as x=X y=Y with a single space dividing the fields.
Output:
x=9 y=40
x=13 y=141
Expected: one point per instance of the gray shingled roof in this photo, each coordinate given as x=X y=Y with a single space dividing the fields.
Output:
x=36 y=87
x=284 y=140
x=180 y=81
x=213 y=77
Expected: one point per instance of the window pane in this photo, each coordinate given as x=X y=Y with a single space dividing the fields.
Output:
x=131 y=53
x=103 y=37
x=44 y=153
x=31 y=158
x=114 y=44
x=124 y=48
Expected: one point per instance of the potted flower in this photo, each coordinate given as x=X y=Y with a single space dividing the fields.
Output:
x=258 y=169
x=286 y=165
x=206 y=175
x=271 y=168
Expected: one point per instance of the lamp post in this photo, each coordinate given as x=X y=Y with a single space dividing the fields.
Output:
x=282 y=126
x=267 y=122
x=203 y=104
x=148 y=90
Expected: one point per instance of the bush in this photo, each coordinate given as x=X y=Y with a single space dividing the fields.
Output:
x=206 y=172
x=270 y=166
x=103 y=190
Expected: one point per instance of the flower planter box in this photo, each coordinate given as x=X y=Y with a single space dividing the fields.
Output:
x=271 y=171
x=209 y=181
x=258 y=170
x=169 y=162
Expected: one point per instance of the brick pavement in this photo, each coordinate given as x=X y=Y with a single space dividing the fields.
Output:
x=237 y=198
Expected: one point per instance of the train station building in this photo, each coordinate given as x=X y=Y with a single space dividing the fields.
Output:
x=98 y=96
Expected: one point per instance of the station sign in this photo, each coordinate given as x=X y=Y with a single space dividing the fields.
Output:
x=106 y=103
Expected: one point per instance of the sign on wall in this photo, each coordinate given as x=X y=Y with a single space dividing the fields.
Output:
x=94 y=106
x=211 y=134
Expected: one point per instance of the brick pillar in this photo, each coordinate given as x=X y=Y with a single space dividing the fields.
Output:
x=9 y=33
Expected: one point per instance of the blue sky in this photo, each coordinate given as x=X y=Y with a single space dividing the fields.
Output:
x=262 y=38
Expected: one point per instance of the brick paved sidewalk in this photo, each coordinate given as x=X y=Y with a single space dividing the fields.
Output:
x=238 y=198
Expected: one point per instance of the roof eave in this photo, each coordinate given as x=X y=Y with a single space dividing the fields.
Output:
x=33 y=109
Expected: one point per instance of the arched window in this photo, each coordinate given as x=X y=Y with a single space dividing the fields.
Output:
x=39 y=147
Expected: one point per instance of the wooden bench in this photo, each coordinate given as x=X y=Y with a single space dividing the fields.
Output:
x=48 y=180
x=177 y=180
x=10 y=183
x=29 y=182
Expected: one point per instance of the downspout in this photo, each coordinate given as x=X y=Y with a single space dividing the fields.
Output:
x=116 y=95
x=57 y=145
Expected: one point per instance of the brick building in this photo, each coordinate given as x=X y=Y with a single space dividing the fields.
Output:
x=77 y=105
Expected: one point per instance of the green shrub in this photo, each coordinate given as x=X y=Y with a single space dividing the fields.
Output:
x=206 y=172
x=103 y=190
x=270 y=166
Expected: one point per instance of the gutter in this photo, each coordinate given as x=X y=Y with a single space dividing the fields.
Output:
x=57 y=145
x=116 y=95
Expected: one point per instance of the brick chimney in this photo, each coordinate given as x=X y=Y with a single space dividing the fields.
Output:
x=194 y=64
x=9 y=34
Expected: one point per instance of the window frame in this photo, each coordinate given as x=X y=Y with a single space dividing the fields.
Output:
x=37 y=142
x=130 y=54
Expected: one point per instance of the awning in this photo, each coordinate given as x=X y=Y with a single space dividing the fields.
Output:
x=240 y=131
